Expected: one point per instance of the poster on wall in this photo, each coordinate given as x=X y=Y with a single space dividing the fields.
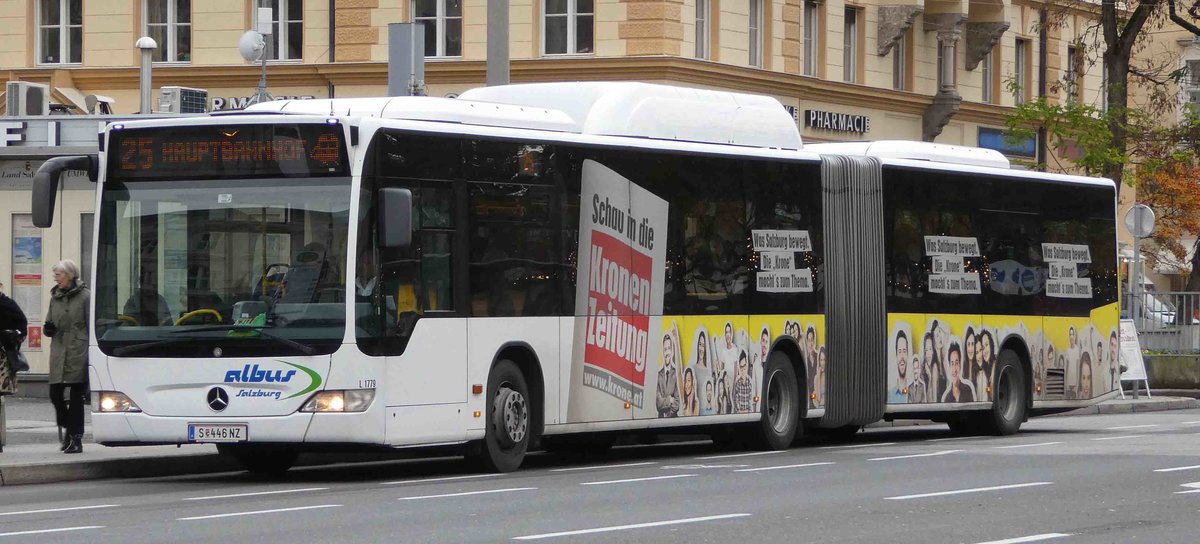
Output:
x=27 y=265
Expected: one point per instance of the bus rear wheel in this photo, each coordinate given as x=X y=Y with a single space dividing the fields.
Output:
x=780 y=403
x=1011 y=397
x=506 y=436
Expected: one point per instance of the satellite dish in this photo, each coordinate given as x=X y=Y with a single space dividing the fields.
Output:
x=252 y=46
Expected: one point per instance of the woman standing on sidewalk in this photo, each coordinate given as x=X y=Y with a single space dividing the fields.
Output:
x=66 y=325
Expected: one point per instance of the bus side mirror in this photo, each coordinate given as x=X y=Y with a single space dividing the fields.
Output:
x=395 y=217
x=45 y=185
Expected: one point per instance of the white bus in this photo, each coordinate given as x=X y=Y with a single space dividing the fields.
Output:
x=552 y=264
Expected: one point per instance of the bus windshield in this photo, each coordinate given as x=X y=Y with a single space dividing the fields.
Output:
x=240 y=267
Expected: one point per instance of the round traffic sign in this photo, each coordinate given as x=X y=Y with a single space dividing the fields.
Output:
x=1140 y=220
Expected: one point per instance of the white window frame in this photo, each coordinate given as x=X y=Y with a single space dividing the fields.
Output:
x=1020 y=69
x=755 y=33
x=812 y=36
x=572 y=17
x=63 y=24
x=281 y=23
x=850 y=44
x=900 y=64
x=439 y=25
x=703 y=20
x=172 y=25
x=988 y=75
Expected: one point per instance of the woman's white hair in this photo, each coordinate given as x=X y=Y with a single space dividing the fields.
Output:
x=68 y=267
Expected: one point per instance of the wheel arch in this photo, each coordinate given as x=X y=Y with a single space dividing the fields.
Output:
x=1017 y=345
x=526 y=359
x=788 y=346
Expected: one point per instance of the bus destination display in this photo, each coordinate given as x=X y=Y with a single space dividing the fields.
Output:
x=233 y=151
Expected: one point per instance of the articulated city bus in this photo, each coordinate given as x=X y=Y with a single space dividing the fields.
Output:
x=552 y=264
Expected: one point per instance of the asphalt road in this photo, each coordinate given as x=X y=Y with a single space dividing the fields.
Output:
x=1105 y=478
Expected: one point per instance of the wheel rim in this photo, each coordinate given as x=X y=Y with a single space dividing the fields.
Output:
x=779 y=403
x=514 y=415
x=1005 y=397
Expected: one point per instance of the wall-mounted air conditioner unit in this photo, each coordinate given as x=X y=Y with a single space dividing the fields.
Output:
x=25 y=98
x=174 y=99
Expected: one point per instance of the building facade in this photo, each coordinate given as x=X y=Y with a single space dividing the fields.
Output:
x=940 y=70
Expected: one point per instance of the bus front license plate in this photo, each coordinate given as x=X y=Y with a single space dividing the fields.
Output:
x=216 y=433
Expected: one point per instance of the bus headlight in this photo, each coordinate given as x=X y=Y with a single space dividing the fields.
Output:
x=115 y=401
x=340 y=400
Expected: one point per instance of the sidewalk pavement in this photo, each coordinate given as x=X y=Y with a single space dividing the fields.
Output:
x=31 y=453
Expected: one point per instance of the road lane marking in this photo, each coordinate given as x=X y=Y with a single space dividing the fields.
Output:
x=256 y=512
x=1194 y=485
x=782 y=467
x=445 y=479
x=606 y=482
x=1031 y=538
x=857 y=446
x=1190 y=423
x=465 y=493
x=48 y=510
x=600 y=467
x=961 y=491
x=951 y=438
x=1132 y=427
x=632 y=526
x=731 y=455
x=934 y=454
x=1177 y=469
x=42 y=531
x=257 y=493
x=1118 y=437
x=1027 y=445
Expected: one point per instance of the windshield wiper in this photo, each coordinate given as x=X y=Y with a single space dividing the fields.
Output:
x=258 y=329
x=134 y=348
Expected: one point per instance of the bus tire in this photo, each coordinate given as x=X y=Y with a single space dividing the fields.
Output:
x=509 y=421
x=780 y=403
x=261 y=460
x=1012 y=395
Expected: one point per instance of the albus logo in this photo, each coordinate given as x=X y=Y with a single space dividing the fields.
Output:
x=253 y=374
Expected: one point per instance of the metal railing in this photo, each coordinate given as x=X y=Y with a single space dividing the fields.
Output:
x=1166 y=321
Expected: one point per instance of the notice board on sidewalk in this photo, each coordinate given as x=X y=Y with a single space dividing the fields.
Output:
x=1131 y=354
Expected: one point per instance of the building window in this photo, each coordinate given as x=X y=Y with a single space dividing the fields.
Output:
x=812 y=37
x=702 y=22
x=1193 y=73
x=900 y=64
x=988 y=77
x=287 y=28
x=443 y=26
x=169 y=22
x=756 y=37
x=1072 y=74
x=850 y=46
x=60 y=31
x=1021 y=70
x=567 y=27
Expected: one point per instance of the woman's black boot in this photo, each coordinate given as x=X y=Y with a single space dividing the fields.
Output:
x=76 y=445
x=64 y=438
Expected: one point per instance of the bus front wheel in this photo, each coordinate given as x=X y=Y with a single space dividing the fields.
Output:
x=506 y=436
x=1011 y=395
x=780 y=403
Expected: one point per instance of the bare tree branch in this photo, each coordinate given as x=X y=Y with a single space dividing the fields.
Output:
x=1187 y=25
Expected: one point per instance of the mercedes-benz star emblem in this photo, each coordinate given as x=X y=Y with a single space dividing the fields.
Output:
x=218 y=399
